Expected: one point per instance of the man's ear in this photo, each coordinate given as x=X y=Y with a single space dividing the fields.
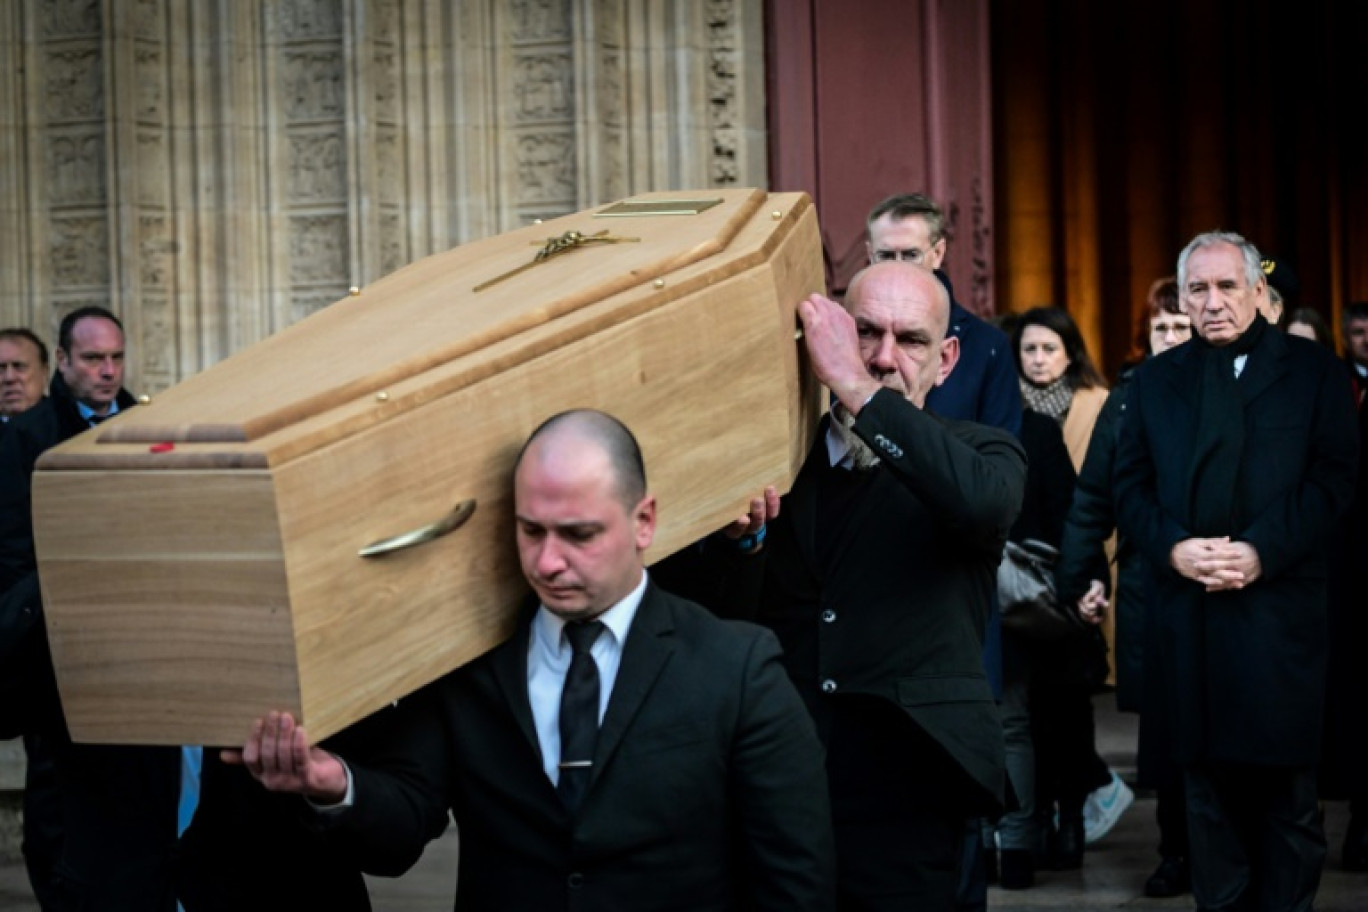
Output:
x=644 y=522
x=949 y=352
x=869 y=251
x=936 y=255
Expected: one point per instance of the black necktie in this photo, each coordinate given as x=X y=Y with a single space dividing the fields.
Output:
x=579 y=714
x=96 y=419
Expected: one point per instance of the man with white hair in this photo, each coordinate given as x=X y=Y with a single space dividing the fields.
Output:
x=1238 y=455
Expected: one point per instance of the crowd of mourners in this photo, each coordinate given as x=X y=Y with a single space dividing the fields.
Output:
x=875 y=726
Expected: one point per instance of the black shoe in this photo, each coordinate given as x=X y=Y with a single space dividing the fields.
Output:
x=1356 y=844
x=1068 y=846
x=1171 y=878
x=1017 y=869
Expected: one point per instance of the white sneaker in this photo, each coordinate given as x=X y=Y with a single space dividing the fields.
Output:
x=1104 y=807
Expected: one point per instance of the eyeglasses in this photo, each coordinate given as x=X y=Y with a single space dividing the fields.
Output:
x=1175 y=329
x=911 y=255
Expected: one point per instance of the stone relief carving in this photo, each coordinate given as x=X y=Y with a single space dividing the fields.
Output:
x=68 y=18
x=154 y=171
x=73 y=86
x=393 y=249
x=157 y=351
x=303 y=303
x=154 y=252
x=386 y=87
x=609 y=21
x=384 y=17
x=299 y=19
x=725 y=170
x=543 y=87
x=148 y=106
x=611 y=90
x=314 y=88
x=78 y=249
x=75 y=169
x=540 y=20
x=523 y=161
x=388 y=165
x=720 y=18
x=318 y=250
x=317 y=167
x=147 y=20
x=614 y=166
x=546 y=167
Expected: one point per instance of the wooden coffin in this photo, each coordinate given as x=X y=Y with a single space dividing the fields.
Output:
x=200 y=555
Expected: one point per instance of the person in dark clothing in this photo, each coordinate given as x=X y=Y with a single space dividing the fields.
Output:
x=982 y=387
x=1059 y=380
x=101 y=822
x=878 y=574
x=1237 y=459
x=1049 y=488
x=23 y=372
x=92 y=817
x=686 y=778
x=1083 y=577
x=1342 y=772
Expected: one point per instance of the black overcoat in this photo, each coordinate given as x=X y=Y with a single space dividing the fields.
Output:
x=1244 y=671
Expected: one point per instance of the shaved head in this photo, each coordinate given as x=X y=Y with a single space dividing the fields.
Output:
x=609 y=435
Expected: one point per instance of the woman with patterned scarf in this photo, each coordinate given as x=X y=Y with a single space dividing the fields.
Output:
x=1059 y=380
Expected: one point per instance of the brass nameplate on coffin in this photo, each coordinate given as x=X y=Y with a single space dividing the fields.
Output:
x=641 y=208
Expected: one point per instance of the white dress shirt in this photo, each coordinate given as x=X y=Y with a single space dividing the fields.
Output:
x=548 y=661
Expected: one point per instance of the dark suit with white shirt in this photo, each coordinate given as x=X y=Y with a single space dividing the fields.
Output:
x=707 y=789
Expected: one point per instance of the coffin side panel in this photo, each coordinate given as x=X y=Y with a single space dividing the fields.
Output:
x=166 y=603
x=705 y=383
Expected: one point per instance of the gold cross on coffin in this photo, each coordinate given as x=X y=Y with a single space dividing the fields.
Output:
x=556 y=246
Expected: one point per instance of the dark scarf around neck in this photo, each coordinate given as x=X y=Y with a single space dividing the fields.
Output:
x=1219 y=436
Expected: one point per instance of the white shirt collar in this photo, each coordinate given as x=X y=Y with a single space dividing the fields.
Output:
x=838 y=451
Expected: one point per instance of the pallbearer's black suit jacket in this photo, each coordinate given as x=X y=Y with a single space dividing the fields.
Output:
x=892 y=602
x=708 y=790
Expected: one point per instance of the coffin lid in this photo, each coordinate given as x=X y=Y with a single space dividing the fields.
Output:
x=419 y=319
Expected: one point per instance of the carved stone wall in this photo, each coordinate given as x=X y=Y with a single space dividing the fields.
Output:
x=213 y=170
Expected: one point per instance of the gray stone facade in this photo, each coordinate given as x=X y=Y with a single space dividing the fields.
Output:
x=214 y=170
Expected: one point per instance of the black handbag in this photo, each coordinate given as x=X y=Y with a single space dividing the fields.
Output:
x=1026 y=593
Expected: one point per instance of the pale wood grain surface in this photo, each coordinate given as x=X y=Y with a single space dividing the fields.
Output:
x=231 y=601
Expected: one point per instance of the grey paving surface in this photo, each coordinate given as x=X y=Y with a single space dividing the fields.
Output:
x=1112 y=875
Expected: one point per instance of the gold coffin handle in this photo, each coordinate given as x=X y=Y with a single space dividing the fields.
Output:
x=423 y=534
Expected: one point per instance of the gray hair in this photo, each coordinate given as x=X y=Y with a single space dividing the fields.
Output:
x=1253 y=261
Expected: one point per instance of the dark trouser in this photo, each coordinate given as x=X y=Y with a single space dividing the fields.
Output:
x=1068 y=767
x=1256 y=837
x=897 y=807
x=42 y=820
x=1170 y=811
